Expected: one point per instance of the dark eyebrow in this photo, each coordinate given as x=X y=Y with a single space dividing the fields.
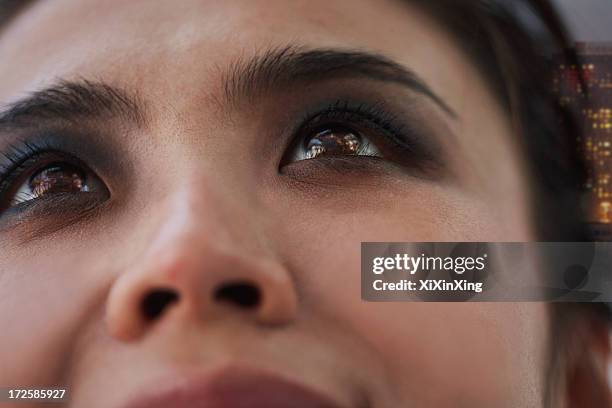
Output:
x=71 y=100
x=281 y=67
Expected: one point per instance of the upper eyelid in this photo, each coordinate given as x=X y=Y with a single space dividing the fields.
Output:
x=374 y=113
x=410 y=131
x=103 y=149
x=386 y=121
x=99 y=149
x=16 y=157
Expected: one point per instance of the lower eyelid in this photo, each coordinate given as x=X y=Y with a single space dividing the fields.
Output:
x=344 y=171
x=51 y=214
x=336 y=165
x=332 y=176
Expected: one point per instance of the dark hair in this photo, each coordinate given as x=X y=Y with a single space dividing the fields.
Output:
x=512 y=42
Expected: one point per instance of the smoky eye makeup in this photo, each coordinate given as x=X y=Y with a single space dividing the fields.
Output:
x=52 y=173
x=41 y=175
x=59 y=171
x=353 y=135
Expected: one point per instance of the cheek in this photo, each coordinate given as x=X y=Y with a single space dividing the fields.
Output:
x=43 y=302
x=481 y=352
x=471 y=352
x=404 y=212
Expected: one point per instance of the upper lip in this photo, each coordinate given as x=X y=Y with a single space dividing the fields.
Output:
x=232 y=387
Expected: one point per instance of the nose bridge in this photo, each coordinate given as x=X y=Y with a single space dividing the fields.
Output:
x=201 y=211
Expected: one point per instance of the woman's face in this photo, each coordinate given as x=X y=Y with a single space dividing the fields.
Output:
x=182 y=147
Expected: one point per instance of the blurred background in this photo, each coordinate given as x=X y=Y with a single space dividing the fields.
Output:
x=589 y=22
x=591 y=26
x=588 y=19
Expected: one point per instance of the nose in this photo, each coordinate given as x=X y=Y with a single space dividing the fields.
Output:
x=187 y=274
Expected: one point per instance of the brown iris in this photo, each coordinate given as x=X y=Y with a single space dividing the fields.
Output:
x=333 y=141
x=59 y=178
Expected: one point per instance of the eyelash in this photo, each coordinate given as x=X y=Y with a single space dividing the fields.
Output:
x=372 y=120
x=398 y=137
x=27 y=157
x=347 y=111
x=15 y=159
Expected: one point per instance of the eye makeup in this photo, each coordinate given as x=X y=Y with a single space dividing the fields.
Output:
x=314 y=138
x=382 y=136
x=54 y=169
x=36 y=173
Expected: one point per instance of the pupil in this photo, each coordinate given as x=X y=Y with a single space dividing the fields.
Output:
x=57 y=179
x=333 y=141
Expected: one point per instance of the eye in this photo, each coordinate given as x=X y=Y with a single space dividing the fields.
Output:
x=347 y=136
x=344 y=129
x=45 y=176
x=53 y=179
x=334 y=141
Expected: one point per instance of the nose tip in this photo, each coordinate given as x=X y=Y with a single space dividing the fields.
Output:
x=199 y=285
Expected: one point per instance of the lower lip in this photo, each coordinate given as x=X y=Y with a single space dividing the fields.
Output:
x=236 y=388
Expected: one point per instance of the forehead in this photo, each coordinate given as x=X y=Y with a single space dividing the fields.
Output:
x=128 y=40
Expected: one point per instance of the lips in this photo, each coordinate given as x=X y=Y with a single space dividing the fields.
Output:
x=233 y=388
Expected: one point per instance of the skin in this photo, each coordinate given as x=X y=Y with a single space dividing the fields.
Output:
x=197 y=199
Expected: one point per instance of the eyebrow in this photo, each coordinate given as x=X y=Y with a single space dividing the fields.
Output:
x=72 y=100
x=274 y=69
x=281 y=67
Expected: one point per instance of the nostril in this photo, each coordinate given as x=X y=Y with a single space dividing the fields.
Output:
x=157 y=301
x=242 y=294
